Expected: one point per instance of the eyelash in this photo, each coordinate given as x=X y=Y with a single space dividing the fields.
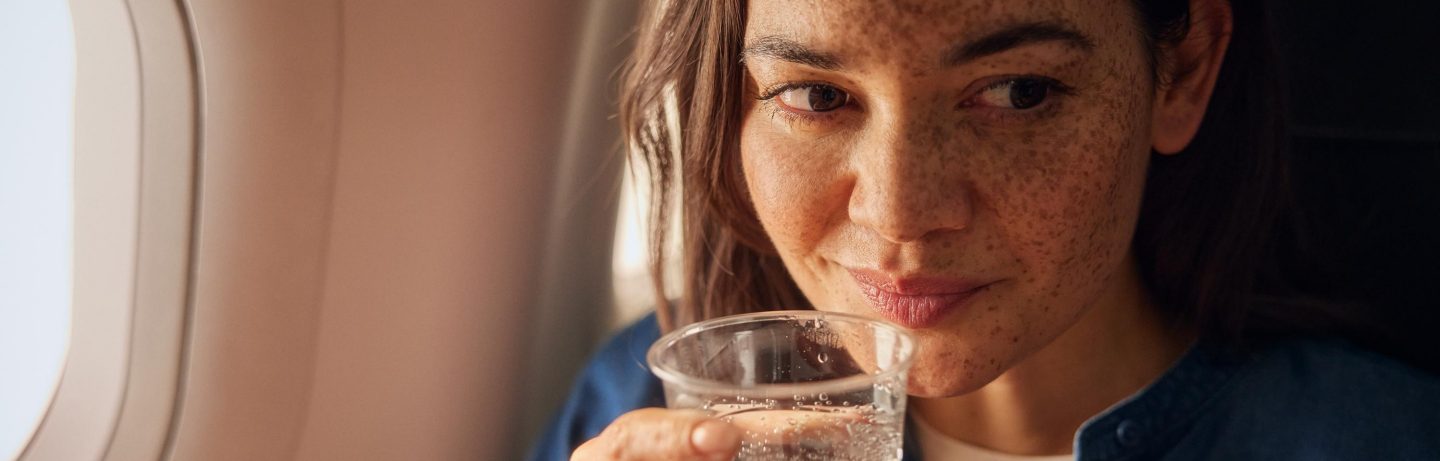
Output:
x=1055 y=90
x=767 y=98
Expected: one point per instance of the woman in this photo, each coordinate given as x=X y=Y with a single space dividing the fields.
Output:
x=1070 y=203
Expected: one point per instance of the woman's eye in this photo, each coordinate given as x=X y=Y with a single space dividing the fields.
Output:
x=1018 y=93
x=814 y=98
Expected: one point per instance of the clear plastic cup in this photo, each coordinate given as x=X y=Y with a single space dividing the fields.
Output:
x=802 y=385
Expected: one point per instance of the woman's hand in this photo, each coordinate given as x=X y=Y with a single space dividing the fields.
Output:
x=661 y=434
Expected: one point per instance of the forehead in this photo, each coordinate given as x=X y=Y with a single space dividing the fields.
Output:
x=911 y=26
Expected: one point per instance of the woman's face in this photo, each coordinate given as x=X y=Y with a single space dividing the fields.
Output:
x=971 y=169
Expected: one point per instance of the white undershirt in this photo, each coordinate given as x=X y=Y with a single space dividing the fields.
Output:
x=936 y=446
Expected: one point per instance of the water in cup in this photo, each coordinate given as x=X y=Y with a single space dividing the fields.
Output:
x=802 y=385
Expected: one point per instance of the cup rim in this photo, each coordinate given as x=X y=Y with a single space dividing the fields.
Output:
x=672 y=376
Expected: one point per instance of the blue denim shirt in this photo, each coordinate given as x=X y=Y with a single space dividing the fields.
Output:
x=1295 y=399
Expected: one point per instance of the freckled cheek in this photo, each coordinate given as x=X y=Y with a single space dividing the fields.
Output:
x=1062 y=217
x=788 y=189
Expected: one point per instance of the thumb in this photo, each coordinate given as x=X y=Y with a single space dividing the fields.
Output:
x=660 y=434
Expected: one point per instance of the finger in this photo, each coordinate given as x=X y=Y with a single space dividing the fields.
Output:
x=788 y=426
x=659 y=434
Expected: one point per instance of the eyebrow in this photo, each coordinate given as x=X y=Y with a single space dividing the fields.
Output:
x=787 y=49
x=1015 y=37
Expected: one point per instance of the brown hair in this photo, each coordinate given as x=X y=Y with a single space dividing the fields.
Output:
x=688 y=53
x=1204 y=236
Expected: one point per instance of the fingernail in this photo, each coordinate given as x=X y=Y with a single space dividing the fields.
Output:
x=714 y=437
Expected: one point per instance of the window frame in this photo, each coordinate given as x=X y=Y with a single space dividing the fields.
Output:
x=135 y=152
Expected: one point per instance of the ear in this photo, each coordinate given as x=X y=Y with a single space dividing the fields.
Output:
x=1192 y=66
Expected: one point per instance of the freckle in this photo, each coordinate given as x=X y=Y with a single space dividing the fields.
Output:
x=1014 y=339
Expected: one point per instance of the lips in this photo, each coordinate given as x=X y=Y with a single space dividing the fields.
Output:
x=914 y=302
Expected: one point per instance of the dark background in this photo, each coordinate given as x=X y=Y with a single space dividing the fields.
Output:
x=1364 y=100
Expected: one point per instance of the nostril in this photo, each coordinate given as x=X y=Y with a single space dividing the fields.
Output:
x=900 y=234
x=899 y=222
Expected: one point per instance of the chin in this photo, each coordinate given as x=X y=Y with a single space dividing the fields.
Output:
x=943 y=369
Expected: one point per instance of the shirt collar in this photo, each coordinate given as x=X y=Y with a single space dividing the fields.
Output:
x=1154 y=416
x=1160 y=413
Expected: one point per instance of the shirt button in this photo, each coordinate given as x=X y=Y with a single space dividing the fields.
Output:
x=1129 y=433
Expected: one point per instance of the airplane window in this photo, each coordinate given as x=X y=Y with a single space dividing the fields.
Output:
x=36 y=103
x=631 y=275
x=634 y=291
x=634 y=295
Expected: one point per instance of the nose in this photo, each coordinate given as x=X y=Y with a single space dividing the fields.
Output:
x=908 y=187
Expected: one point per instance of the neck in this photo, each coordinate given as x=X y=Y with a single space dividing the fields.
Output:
x=1116 y=348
